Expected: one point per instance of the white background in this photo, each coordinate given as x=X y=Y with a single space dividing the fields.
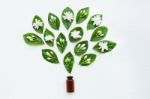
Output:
x=123 y=73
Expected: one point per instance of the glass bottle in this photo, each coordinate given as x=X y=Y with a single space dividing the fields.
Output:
x=70 y=84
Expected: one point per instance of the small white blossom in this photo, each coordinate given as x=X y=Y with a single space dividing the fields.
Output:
x=49 y=38
x=37 y=24
x=97 y=20
x=76 y=34
x=103 y=46
x=68 y=16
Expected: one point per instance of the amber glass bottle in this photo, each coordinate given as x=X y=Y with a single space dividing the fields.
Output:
x=70 y=84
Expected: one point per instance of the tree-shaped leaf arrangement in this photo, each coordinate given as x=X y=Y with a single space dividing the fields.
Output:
x=76 y=34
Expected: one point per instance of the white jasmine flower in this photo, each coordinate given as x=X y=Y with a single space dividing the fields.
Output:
x=76 y=34
x=97 y=20
x=103 y=46
x=49 y=38
x=68 y=16
x=37 y=24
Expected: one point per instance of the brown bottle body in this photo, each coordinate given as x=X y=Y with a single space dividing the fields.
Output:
x=70 y=84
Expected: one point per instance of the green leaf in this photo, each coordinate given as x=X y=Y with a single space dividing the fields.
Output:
x=38 y=24
x=67 y=17
x=99 y=33
x=87 y=59
x=49 y=37
x=104 y=46
x=50 y=56
x=82 y=15
x=94 y=21
x=32 y=39
x=61 y=42
x=68 y=62
x=54 y=21
x=81 y=48
x=76 y=34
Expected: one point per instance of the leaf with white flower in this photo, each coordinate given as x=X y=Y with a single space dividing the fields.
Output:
x=94 y=21
x=99 y=33
x=49 y=37
x=54 y=21
x=76 y=34
x=38 y=24
x=61 y=42
x=104 y=46
x=50 y=56
x=81 y=48
x=32 y=39
x=68 y=62
x=87 y=59
x=67 y=17
x=82 y=15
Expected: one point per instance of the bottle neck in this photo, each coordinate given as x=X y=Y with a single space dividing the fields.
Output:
x=69 y=77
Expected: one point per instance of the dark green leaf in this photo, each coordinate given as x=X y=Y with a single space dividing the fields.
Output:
x=94 y=21
x=68 y=62
x=104 y=46
x=54 y=21
x=76 y=34
x=32 y=39
x=81 y=48
x=87 y=59
x=50 y=56
x=49 y=37
x=67 y=17
x=82 y=15
x=38 y=24
x=99 y=33
x=61 y=42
